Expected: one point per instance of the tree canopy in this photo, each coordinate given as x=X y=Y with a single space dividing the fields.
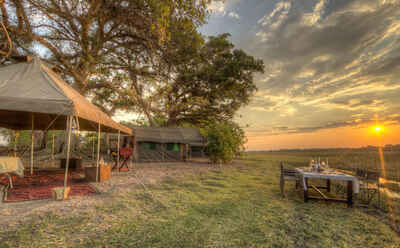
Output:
x=141 y=56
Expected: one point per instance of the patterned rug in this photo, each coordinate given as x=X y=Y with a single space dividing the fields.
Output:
x=39 y=185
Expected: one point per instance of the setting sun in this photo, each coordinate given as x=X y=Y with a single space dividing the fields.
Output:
x=378 y=128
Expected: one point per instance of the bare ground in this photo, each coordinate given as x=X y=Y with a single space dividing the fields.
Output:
x=140 y=176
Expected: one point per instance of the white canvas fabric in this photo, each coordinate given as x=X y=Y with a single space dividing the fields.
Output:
x=32 y=90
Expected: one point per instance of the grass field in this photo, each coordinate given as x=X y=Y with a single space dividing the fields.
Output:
x=342 y=159
x=237 y=206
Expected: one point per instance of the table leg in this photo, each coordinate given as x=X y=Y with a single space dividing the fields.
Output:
x=305 y=190
x=350 y=194
x=328 y=185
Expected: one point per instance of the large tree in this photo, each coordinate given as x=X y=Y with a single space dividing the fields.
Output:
x=210 y=82
x=195 y=80
x=80 y=36
x=142 y=56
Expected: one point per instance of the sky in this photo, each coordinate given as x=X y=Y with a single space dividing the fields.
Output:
x=332 y=70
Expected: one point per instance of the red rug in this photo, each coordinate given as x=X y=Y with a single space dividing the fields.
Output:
x=39 y=186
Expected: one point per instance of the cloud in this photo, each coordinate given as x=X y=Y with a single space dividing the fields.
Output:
x=224 y=8
x=234 y=15
x=356 y=123
x=274 y=20
x=217 y=7
x=327 y=63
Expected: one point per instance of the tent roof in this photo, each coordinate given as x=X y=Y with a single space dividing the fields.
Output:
x=32 y=88
x=168 y=135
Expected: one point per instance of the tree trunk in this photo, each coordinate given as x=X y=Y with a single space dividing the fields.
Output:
x=142 y=102
x=172 y=119
x=43 y=140
x=148 y=115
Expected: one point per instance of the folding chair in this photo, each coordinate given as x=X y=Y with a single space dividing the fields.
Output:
x=370 y=185
x=125 y=155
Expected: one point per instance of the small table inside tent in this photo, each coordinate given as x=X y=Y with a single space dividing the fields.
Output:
x=11 y=165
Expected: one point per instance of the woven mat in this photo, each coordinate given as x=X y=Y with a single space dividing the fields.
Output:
x=39 y=186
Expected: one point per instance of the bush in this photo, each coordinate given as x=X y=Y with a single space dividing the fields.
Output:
x=225 y=141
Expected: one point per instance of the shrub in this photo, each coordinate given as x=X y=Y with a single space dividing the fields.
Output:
x=225 y=141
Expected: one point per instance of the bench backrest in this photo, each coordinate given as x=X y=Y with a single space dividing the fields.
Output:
x=287 y=172
x=367 y=175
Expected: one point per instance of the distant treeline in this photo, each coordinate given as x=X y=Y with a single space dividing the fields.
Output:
x=366 y=148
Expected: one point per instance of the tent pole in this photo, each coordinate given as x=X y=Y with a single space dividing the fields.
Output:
x=93 y=148
x=162 y=152
x=69 y=119
x=135 y=155
x=98 y=153
x=119 y=141
x=52 y=149
x=32 y=142
x=15 y=143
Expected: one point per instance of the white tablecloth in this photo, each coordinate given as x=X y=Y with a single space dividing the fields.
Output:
x=304 y=173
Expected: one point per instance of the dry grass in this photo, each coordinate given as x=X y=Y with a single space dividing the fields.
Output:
x=120 y=183
x=182 y=205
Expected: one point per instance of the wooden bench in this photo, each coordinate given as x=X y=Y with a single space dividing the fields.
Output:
x=288 y=175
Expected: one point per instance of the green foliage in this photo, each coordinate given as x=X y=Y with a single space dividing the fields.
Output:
x=140 y=56
x=213 y=79
x=141 y=121
x=24 y=138
x=225 y=141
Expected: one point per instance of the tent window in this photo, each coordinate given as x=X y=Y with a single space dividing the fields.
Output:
x=172 y=147
x=149 y=146
x=196 y=148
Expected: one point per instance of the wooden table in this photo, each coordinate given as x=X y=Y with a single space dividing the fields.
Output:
x=11 y=165
x=306 y=174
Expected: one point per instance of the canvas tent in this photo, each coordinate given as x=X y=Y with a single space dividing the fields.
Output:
x=164 y=144
x=32 y=87
x=168 y=135
x=32 y=96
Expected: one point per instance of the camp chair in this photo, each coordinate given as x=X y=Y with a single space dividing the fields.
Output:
x=360 y=173
x=125 y=155
x=370 y=185
x=288 y=175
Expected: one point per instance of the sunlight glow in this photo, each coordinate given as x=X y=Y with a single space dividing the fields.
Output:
x=378 y=128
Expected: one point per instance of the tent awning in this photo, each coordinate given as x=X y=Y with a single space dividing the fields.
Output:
x=32 y=88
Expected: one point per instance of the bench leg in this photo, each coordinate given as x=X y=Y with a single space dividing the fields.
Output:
x=350 y=194
x=282 y=186
x=328 y=185
x=306 y=190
